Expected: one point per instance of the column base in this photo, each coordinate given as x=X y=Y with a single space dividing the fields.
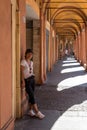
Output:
x=81 y=63
x=9 y=125
x=85 y=66
x=24 y=102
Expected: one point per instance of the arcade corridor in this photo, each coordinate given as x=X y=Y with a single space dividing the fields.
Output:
x=52 y=29
x=63 y=99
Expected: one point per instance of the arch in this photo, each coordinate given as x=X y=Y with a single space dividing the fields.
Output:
x=66 y=32
x=68 y=29
x=74 y=21
x=71 y=27
x=46 y=6
x=76 y=10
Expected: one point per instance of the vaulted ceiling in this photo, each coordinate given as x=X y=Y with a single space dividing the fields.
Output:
x=67 y=16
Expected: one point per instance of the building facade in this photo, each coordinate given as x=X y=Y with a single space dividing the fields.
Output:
x=22 y=26
x=34 y=24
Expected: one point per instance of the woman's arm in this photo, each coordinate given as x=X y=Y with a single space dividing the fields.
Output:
x=22 y=76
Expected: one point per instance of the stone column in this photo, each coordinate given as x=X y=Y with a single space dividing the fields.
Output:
x=21 y=100
x=75 y=47
x=83 y=48
x=79 y=46
x=37 y=50
x=6 y=65
x=56 y=49
x=86 y=46
x=50 y=48
x=18 y=88
x=49 y=54
x=44 y=46
x=41 y=45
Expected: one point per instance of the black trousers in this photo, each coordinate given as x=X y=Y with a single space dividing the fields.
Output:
x=30 y=87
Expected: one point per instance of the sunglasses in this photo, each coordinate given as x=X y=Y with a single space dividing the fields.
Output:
x=30 y=68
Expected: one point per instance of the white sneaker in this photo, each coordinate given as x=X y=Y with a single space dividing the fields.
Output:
x=40 y=115
x=31 y=113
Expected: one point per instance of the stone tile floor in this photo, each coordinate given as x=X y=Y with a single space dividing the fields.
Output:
x=63 y=99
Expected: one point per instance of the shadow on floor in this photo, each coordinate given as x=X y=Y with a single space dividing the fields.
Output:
x=54 y=103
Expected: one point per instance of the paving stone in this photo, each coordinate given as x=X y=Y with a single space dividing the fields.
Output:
x=65 y=109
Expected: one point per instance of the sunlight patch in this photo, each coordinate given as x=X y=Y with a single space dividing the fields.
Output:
x=71 y=64
x=72 y=117
x=79 y=107
x=67 y=61
x=74 y=69
x=70 y=123
x=69 y=120
x=71 y=82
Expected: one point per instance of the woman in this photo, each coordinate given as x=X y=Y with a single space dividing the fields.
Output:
x=28 y=80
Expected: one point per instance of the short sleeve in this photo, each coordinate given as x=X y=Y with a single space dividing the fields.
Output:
x=23 y=62
x=32 y=63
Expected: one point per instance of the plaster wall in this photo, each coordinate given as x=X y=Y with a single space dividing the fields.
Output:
x=5 y=63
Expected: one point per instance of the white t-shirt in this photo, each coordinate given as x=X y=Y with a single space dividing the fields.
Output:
x=28 y=68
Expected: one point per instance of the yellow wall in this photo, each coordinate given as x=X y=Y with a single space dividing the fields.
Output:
x=6 y=115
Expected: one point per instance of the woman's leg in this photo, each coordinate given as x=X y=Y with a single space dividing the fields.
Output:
x=33 y=105
x=35 y=108
x=30 y=92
